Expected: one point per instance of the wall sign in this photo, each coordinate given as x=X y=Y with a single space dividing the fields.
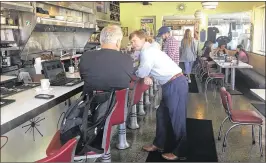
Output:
x=148 y=25
x=146 y=20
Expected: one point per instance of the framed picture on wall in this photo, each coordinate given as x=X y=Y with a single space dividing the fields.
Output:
x=148 y=25
x=125 y=31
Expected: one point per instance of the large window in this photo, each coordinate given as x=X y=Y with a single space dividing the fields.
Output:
x=259 y=31
x=238 y=23
x=263 y=31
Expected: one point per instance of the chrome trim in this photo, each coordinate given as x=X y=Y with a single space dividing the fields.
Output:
x=17 y=6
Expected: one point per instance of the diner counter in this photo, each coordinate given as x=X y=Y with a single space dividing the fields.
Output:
x=4 y=78
x=27 y=106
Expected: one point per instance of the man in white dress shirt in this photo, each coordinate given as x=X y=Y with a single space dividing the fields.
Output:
x=153 y=43
x=172 y=109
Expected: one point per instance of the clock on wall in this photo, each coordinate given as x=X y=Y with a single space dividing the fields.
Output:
x=181 y=7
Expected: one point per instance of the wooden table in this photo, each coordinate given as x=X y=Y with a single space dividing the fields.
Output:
x=260 y=93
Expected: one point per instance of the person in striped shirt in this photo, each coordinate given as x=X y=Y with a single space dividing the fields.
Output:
x=170 y=45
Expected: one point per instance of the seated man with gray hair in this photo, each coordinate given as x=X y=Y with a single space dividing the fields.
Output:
x=107 y=68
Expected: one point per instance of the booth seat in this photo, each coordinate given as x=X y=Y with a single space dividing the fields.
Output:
x=251 y=78
x=255 y=77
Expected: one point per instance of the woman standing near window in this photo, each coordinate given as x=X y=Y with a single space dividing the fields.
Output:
x=188 y=52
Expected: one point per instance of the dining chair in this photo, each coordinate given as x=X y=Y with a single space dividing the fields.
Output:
x=239 y=117
x=212 y=75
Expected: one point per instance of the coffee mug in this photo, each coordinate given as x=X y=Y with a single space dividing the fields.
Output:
x=45 y=84
x=71 y=69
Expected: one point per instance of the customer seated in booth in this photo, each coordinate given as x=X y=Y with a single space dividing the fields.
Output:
x=207 y=49
x=221 y=50
x=207 y=53
x=107 y=68
x=241 y=54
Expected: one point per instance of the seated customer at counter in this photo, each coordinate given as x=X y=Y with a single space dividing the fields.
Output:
x=107 y=68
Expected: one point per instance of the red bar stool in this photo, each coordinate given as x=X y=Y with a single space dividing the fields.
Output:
x=239 y=117
x=155 y=86
x=147 y=98
x=141 y=111
x=151 y=92
x=138 y=89
x=122 y=98
x=63 y=153
x=117 y=116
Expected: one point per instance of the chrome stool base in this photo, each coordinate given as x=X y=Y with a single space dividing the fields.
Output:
x=133 y=124
x=122 y=137
x=141 y=111
x=147 y=98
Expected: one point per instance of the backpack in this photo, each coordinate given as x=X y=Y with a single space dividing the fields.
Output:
x=86 y=118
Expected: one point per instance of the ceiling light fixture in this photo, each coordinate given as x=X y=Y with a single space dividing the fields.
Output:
x=209 y=5
x=198 y=14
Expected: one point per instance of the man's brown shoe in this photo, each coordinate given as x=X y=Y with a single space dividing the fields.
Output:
x=172 y=157
x=151 y=148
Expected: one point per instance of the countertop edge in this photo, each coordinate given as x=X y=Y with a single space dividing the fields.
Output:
x=6 y=127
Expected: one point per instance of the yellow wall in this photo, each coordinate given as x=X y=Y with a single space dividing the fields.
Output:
x=131 y=13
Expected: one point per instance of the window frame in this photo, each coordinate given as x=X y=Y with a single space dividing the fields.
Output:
x=258 y=45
